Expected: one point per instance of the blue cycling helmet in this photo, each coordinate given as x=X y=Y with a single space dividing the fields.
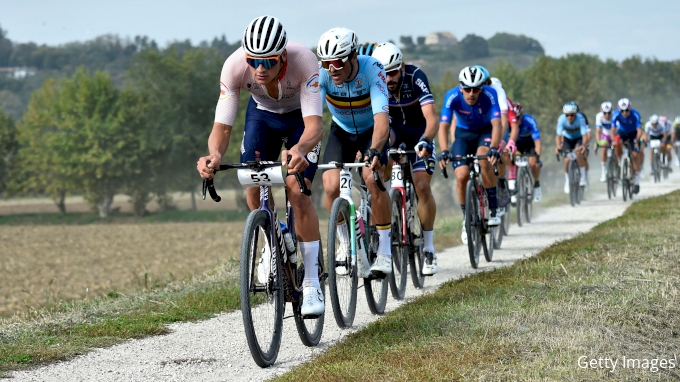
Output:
x=485 y=73
x=366 y=49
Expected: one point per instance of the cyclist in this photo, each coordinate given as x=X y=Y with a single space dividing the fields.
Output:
x=589 y=138
x=366 y=49
x=276 y=114
x=603 y=136
x=676 y=139
x=477 y=131
x=656 y=130
x=627 y=122
x=528 y=140
x=355 y=90
x=413 y=119
x=572 y=135
x=668 y=142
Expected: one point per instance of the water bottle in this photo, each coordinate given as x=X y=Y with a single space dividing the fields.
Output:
x=290 y=245
x=362 y=255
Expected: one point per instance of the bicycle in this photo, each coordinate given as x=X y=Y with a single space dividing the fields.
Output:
x=362 y=253
x=626 y=175
x=407 y=232
x=575 y=189
x=613 y=170
x=265 y=290
x=476 y=210
x=657 y=164
x=525 y=190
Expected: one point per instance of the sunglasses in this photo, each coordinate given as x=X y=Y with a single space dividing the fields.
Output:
x=607 y=112
x=267 y=62
x=392 y=73
x=571 y=115
x=472 y=90
x=625 y=111
x=337 y=64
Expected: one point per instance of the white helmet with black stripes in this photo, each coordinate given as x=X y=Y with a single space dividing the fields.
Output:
x=471 y=77
x=389 y=55
x=264 y=37
x=337 y=43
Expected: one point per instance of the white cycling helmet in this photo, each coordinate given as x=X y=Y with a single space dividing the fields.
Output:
x=389 y=55
x=336 y=43
x=264 y=37
x=677 y=120
x=496 y=81
x=624 y=104
x=606 y=107
x=569 y=108
x=654 y=119
x=471 y=77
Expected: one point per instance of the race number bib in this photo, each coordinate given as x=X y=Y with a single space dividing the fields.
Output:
x=397 y=176
x=655 y=143
x=271 y=176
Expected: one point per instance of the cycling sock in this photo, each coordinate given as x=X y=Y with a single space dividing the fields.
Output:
x=637 y=179
x=310 y=256
x=501 y=182
x=429 y=244
x=462 y=208
x=566 y=177
x=342 y=231
x=493 y=201
x=583 y=172
x=537 y=184
x=384 y=245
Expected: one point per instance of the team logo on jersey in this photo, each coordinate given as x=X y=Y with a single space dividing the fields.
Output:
x=313 y=83
x=224 y=92
x=313 y=156
x=445 y=118
x=422 y=85
x=386 y=108
x=496 y=114
x=382 y=77
x=358 y=83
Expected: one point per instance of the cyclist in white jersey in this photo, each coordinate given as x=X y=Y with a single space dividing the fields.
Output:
x=285 y=108
x=668 y=141
x=603 y=125
x=656 y=130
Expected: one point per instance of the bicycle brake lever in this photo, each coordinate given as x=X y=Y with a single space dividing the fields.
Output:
x=379 y=182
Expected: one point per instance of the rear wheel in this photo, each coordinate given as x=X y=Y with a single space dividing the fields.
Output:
x=398 y=276
x=262 y=300
x=375 y=287
x=310 y=329
x=342 y=286
x=472 y=223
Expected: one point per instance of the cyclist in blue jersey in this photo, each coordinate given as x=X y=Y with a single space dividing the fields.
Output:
x=413 y=119
x=528 y=139
x=627 y=122
x=589 y=136
x=477 y=131
x=355 y=90
x=572 y=131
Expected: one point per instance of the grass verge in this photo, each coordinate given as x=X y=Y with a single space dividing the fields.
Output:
x=183 y=216
x=610 y=293
x=69 y=329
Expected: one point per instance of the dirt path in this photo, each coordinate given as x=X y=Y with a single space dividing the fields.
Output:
x=216 y=349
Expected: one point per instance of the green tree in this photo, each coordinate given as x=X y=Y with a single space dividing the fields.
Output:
x=8 y=149
x=5 y=48
x=515 y=43
x=473 y=46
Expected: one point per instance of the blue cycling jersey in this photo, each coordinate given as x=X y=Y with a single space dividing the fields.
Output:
x=354 y=103
x=406 y=105
x=626 y=125
x=475 y=117
x=574 y=130
x=528 y=130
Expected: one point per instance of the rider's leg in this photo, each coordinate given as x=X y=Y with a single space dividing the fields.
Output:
x=331 y=178
x=427 y=208
x=603 y=164
x=489 y=179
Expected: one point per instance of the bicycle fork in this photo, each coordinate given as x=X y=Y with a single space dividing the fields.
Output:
x=357 y=230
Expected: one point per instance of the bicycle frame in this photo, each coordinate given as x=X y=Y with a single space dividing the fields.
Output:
x=399 y=179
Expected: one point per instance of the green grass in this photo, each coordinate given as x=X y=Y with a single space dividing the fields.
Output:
x=186 y=216
x=612 y=292
x=74 y=328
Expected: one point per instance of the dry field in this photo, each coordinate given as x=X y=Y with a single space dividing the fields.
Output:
x=44 y=264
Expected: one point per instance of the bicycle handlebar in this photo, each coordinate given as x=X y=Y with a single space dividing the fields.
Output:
x=471 y=158
x=356 y=165
x=400 y=151
x=209 y=186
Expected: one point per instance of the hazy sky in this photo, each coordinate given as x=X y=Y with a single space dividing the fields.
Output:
x=609 y=29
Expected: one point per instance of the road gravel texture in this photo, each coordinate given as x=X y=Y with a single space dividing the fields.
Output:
x=216 y=349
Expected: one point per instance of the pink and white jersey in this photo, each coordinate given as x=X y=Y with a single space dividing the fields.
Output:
x=502 y=98
x=298 y=89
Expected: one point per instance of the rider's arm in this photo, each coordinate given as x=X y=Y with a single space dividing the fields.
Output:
x=218 y=142
x=496 y=130
x=381 y=130
x=431 y=123
x=442 y=136
x=559 y=132
x=537 y=146
x=446 y=118
x=380 y=107
x=311 y=104
x=514 y=131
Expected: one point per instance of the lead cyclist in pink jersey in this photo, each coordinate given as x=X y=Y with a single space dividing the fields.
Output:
x=285 y=108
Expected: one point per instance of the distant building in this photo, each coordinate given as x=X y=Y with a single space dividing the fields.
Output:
x=17 y=72
x=441 y=39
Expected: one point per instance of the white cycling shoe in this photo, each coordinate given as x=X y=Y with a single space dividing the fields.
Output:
x=537 y=194
x=603 y=177
x=494 y=219
x=463 y=235
x=382 y=264
x=430 y=265
x=342 y=254
x=583 y=181
x=312 y=302
x=264 y=265
x=566 y=187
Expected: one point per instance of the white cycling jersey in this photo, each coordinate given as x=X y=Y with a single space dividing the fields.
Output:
x=603 y=124
x=298 y=85
x=502 y=98
x=657 y=130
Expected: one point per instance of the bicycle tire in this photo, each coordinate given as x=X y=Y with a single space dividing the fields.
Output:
x=610 y=183
x=310 y=329
x=257 y=306
x=499 y=231
x=416 y=243
x=472 y=222
x=398 y=277
x=490 y=243
x=528 y=205
x=572 y=189
x=374 y=287
x=505 y=219
x=625 y=186
x=520 y=197
x=655 y=168
x=342 y=288
x=664 y=167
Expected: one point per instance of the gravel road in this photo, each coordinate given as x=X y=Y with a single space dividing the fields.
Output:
x=216 y=349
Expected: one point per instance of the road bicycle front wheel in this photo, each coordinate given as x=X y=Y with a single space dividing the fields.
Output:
x=529 y=192
x=398 y=276
x=655 y=168
x=625 y=184
x=262 y=300
x=472 y=223
x=505 y=221
x=573 y=183
x=375 y=287
x=310 y=329
x=521 y=192
x=499 y=230
x=342 y=275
